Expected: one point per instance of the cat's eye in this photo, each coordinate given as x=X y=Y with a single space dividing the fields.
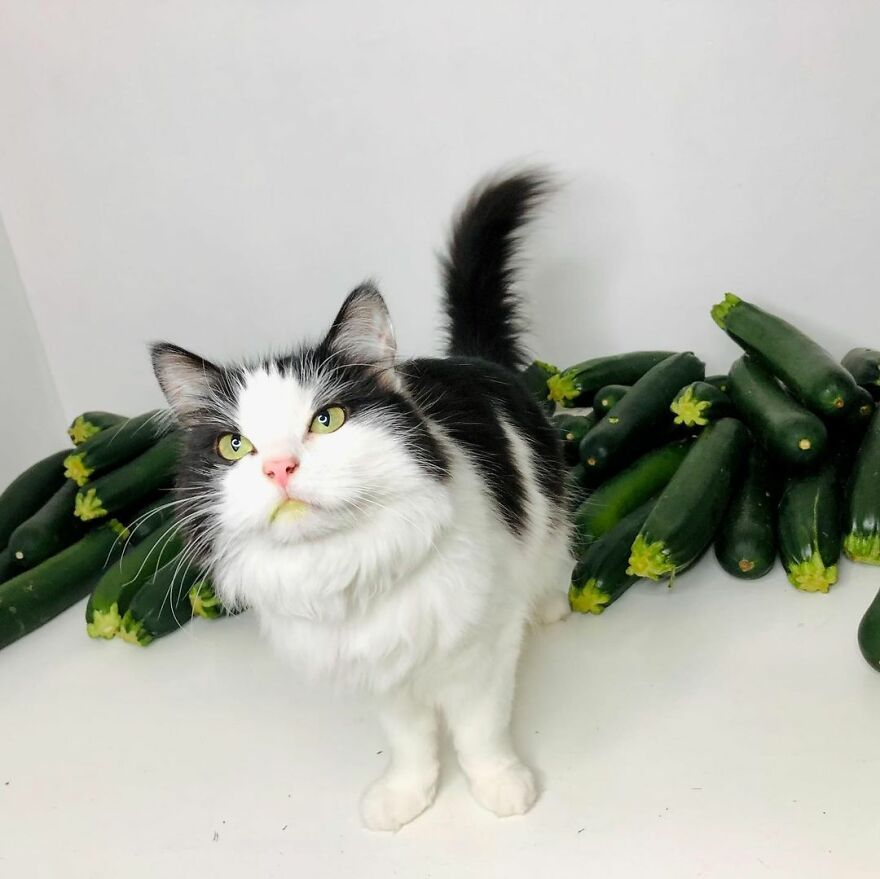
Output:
x=233 y=446
x=328 y=420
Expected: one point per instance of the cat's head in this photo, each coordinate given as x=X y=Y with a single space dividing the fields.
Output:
x=291 y=449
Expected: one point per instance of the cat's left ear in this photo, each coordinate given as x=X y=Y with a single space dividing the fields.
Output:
x=363 y=331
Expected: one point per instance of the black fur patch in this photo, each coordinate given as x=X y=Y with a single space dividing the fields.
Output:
x=467 y=397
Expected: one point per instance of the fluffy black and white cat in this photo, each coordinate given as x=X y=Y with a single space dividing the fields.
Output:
x=394 y=524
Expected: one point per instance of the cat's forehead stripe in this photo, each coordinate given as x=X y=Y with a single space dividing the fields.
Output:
x=273 y=406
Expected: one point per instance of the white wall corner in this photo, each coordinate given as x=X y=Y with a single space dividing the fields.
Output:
x=34 y=417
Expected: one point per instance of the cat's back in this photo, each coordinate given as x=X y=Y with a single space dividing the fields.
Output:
x=486 y=411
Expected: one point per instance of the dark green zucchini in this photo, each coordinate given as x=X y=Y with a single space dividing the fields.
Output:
x=869 y=634
x=535 y=376
x=606 y=398
x=572 y=429
x=698 y=403
x=35 y=596
x=863 y=364
x=161 y=606
x=49 y=530
x=639 y=420
x=808 y=370
x=684 y=519
x=601 y=576
x=809 y=529
x=114 y=446
x=862 y=523
x=864 y=409
x=89 y=423
x=787 y=430
x=625 y=492
x=745 y=544
x=719 y=381
x=133 y=482
x=153 y=544
x=28 y=492
x=577 y=385
x=8 y=567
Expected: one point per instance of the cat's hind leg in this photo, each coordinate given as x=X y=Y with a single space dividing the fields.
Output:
x=553 y=571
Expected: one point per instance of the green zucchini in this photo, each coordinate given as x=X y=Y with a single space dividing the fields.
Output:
x=572 y=429
x=49 y=530
x=869 y=634
x=684 y=519
x=119 y=583
x=161 y=605
x=862 y=523
x=114 y=446
x=28 y=492
x=787 y=430
x=205 y=603
x=809 y=529
x=698 y=403
x=863 y=410
x=35 y=596
x=719 y=381
x=625 y=492
x=863 y=364
x=745 y=544
x=89 y=423
x=139 y=478
x=808 y=370
x=633 y=425
x=8 y=567
x=606 y=398
x=535 y=376
x=602 y=576
x=577 y=385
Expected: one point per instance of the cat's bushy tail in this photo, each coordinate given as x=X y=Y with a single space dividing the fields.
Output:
x=479 y=268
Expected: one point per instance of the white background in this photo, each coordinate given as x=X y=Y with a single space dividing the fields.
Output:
x=221 y=174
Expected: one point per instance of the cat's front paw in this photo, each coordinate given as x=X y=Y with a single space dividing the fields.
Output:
x=388 y=804
x=553 y=608
x=506 y=792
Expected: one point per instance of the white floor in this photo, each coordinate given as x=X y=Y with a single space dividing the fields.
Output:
x=717 y=729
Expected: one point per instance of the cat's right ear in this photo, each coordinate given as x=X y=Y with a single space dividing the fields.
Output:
x=186 y=379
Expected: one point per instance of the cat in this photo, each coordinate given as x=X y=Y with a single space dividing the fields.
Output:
x=393 y=524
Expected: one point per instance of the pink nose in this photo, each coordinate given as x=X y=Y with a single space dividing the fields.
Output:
x=280 y=470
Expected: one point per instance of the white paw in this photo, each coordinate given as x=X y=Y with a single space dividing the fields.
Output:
x=389 y=804
x=510 y=791
x=553 y=607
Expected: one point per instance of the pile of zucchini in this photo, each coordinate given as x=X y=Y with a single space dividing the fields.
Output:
x=97 y=521
x=780 y=457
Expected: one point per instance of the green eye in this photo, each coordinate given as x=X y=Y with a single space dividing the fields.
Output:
x=233 y=446
x=328 y=420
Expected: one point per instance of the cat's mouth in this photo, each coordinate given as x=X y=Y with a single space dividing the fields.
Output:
x=289 y=508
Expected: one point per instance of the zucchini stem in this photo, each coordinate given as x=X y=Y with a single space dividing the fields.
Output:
x=723 y=308
x=105 y=623
x=561 y=388
x=590 y=599
x=88 y=506
x=649 y=559
x=689 y=411
x=812 y=575
x=864 y=548
x=76 y=469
